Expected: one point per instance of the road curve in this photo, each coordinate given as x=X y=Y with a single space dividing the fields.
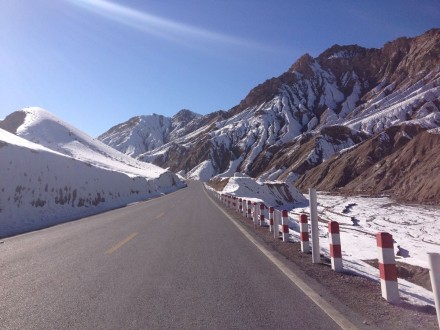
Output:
x=174 y=262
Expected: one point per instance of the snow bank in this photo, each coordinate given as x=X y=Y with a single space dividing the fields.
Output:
x=43 y=128
x=270 y=193
x=41 y=188
x=67 y=175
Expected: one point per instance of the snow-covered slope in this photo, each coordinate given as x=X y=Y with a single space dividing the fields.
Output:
x=51 y=172
x=41 y=127
x=274 y=194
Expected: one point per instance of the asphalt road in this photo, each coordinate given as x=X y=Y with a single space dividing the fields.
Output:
x=172 y=262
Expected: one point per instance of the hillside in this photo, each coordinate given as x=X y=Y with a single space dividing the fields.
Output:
x=347 y=98
x=400 y=161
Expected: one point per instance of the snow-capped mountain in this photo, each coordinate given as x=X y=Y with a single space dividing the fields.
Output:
x=345 y=98
x=143 y=133
x=52 y=172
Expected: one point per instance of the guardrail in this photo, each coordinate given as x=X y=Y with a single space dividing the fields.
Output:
x=279 y=223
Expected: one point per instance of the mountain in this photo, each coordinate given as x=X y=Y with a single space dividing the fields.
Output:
x=348 y=98
x=53 y=172
x=143 y=133
x=401 y=161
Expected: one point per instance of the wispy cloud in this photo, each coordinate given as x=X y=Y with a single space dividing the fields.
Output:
x=159 y=26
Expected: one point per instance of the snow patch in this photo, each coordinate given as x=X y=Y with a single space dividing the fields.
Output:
x=202 y=172
x=273 y=194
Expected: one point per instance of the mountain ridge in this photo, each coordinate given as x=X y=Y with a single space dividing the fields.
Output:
x=318 y=108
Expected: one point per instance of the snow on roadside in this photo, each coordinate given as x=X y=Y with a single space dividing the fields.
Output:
x=271 y=193
x=59 y=173
x=43 y=128
x=415 y=230
x=41 y=188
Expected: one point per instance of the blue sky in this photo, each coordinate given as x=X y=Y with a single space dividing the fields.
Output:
x=97 y=63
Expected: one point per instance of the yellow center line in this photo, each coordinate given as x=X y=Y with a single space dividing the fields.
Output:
x=121 y=243
x=160 y=215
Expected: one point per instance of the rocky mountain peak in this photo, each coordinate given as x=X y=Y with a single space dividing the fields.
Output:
x=184 y=116
x=341 y=52
x=302 y=65
x=260 y=94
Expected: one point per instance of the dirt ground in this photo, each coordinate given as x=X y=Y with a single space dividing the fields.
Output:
x=361 y=295
x=413 y=274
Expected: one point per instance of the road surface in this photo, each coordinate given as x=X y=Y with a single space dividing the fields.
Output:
x=172 y=262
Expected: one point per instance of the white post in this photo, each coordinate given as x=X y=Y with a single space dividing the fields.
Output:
x=304 y=233
x=276 y=229
x=262 y=211
x=434 y=272
x=334 y=238
x=316 y=257
x=387 y=267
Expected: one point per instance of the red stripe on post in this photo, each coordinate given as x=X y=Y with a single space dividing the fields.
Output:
x=285 y=229
x=388 y=272
x=335 y=251
x=333 y=227
x=384 y=240
x=284 y=213
x=304 y=236
x=303 y=218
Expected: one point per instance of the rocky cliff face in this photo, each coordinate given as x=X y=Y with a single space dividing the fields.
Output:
x=342 y=108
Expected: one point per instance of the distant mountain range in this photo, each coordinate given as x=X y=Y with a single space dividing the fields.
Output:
x=352 y=120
